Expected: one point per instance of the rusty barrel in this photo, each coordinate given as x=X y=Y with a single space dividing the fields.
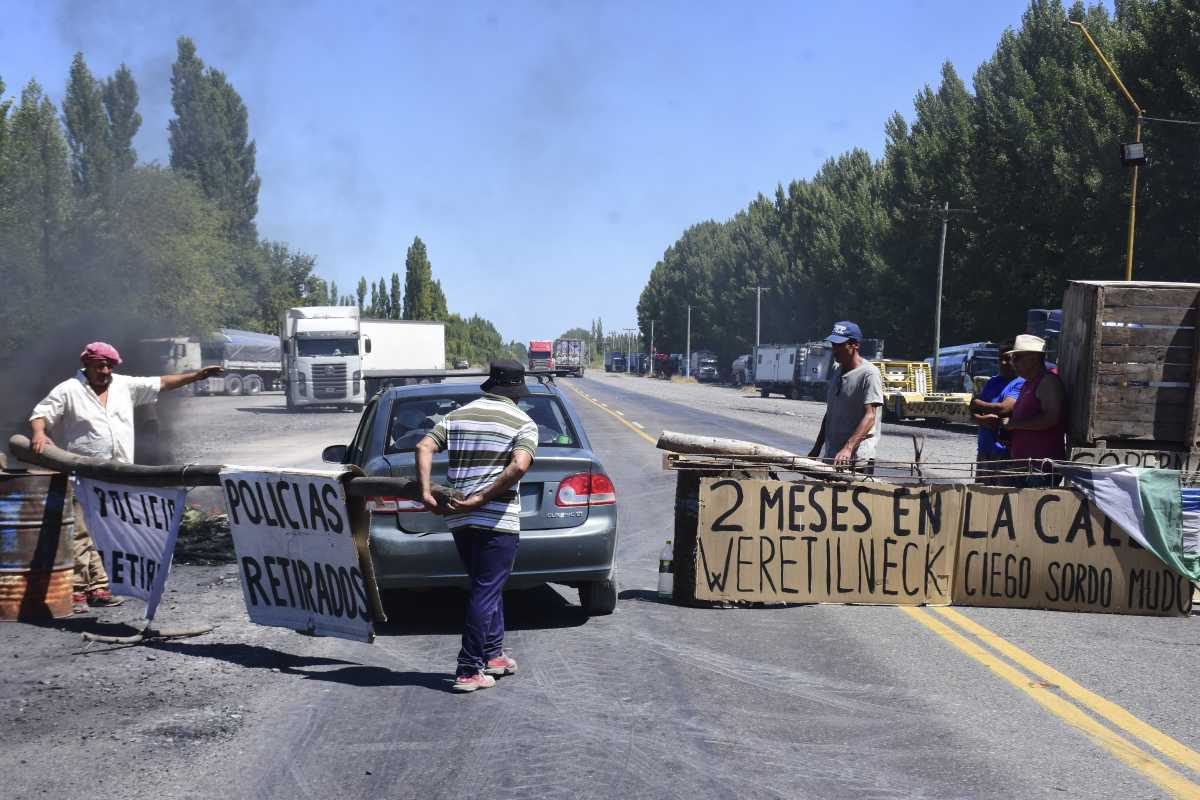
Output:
x=37 y=524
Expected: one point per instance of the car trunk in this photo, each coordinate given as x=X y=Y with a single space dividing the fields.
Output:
x=538 y=487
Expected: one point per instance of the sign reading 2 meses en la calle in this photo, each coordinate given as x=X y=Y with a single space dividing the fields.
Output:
x=817 y=542
x=300 y=565
x=780 y=542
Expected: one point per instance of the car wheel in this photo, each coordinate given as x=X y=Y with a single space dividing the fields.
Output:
x=233 y=385
x=598 y=597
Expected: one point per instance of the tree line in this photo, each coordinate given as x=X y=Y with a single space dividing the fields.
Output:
x=93 y=242
x=1029 y=155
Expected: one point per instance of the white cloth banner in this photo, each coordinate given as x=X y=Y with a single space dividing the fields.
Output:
x=134 y=530
x=298 y=563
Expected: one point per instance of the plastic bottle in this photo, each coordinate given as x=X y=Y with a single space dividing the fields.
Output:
x=666 y=572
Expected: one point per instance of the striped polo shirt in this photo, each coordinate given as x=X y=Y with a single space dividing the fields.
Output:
x=480 y=439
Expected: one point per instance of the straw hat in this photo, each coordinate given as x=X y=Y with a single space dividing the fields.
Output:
x=1026 y=343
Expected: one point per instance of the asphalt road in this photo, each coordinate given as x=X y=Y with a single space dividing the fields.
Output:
x=654 y=701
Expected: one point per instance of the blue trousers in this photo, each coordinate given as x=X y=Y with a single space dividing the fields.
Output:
x=488 y=558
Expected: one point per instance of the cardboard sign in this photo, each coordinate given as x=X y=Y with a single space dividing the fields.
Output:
x=1042 y=548
x=299 y=563
x=134 y=530
x=780 y=542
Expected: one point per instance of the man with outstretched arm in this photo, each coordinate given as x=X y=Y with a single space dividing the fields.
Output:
x=91 y=413
x=852 y=423
x=491 y=442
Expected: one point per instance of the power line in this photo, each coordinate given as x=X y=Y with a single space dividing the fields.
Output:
x=1193 y=123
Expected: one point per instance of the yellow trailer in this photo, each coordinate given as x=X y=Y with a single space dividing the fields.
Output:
x=907 y=395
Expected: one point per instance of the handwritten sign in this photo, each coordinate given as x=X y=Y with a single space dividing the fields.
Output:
x=134 y=529
x=1052 y=549
x=299 y=564
x=782 y=542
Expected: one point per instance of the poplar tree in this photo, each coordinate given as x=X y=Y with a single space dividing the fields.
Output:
x=360 y=292
x=397 y=297
x=210 y=139
x=120 y=95
x=418 y=282
x=89 y=135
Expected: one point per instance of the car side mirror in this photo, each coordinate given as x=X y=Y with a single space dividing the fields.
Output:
x=335 y=453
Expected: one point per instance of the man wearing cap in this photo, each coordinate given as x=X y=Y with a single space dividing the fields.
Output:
x=491 y=443
x=92 y=414
x=852 y=423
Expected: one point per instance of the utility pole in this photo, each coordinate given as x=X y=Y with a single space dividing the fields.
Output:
x=651 y=369
x=758 y=315
x=687 y=368
x=945 y=211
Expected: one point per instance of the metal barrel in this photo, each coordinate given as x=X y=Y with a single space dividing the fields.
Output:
x=37 y=524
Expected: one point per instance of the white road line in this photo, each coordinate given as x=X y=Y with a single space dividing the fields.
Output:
x=622 y=413
x=640 y=425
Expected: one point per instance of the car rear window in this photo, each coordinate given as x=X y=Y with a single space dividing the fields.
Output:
x=413 y=417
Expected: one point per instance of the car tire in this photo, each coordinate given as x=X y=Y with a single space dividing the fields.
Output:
x=598 y=598
x=233 y=385
x=252 y=384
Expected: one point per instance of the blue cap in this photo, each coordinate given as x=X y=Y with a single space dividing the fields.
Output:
x=844 y=331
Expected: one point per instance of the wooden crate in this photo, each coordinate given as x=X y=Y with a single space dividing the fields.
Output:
x=1130 y=358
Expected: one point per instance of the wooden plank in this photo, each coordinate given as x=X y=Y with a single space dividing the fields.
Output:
x=1158 y=337
x=1161 y=354
x=1184 y=460
x=1177 y=295
x=1074 y=362
x=1127 y=429
x=1143 y=412
x=1145 y=396
x=1150 y=315
x=1143 y=372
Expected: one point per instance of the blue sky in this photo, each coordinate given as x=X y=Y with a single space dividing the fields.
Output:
x=547 y=153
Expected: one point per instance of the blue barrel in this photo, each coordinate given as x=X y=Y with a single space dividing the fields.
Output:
x=37 y=524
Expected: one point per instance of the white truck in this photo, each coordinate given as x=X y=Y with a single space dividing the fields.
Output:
x=250 y=361
x=704 y=366
x=569 y=357
x=320 y=358
x=801 y=371
x=400 y=351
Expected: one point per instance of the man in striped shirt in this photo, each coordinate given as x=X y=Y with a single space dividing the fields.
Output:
x=490 y=443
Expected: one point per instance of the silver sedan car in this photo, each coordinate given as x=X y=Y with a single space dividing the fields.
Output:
x=568 y=502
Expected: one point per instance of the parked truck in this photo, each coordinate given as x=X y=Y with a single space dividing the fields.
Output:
x=541 y=355
x=569 y=357
x=703 y=366
x=250 y=361
x=398 y=351
x=801 y=371
x=320 y=359
x=615 y=361
x=742 y=370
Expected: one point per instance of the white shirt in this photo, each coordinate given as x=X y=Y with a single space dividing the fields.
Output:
x=81 y=424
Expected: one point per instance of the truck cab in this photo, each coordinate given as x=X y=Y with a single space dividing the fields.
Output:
x=322 y=363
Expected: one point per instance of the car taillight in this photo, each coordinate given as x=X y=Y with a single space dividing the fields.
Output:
x=586 y=489
x=393 y=505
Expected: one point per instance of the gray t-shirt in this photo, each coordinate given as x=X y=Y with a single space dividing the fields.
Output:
x=846 y=400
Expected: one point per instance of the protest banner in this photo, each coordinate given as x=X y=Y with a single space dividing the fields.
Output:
x=134 y=530
x=816 y=542
x=1052 y=549
x=301 y=567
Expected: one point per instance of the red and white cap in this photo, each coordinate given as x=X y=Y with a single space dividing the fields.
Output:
x=100 y=351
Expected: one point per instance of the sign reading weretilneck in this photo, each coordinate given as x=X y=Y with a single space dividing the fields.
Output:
x=134 y=529
x=300 y=564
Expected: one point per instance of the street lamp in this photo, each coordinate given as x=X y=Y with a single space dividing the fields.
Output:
x=1131 y=154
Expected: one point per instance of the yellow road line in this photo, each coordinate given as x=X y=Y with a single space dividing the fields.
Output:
x=1172 y=748
x=615 y=415
x=1129 y=754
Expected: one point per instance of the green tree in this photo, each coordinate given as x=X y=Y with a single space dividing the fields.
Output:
x=396 y=298
x=120 y=95
x=360 y=293
x=373 y=310
x=89 y=135
x=209 y=139
x=419 y=298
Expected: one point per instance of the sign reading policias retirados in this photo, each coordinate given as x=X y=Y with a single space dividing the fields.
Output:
x=814 y=542
x=303 y=563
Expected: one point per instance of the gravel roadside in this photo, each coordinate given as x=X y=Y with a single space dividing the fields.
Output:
x=951 y=446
